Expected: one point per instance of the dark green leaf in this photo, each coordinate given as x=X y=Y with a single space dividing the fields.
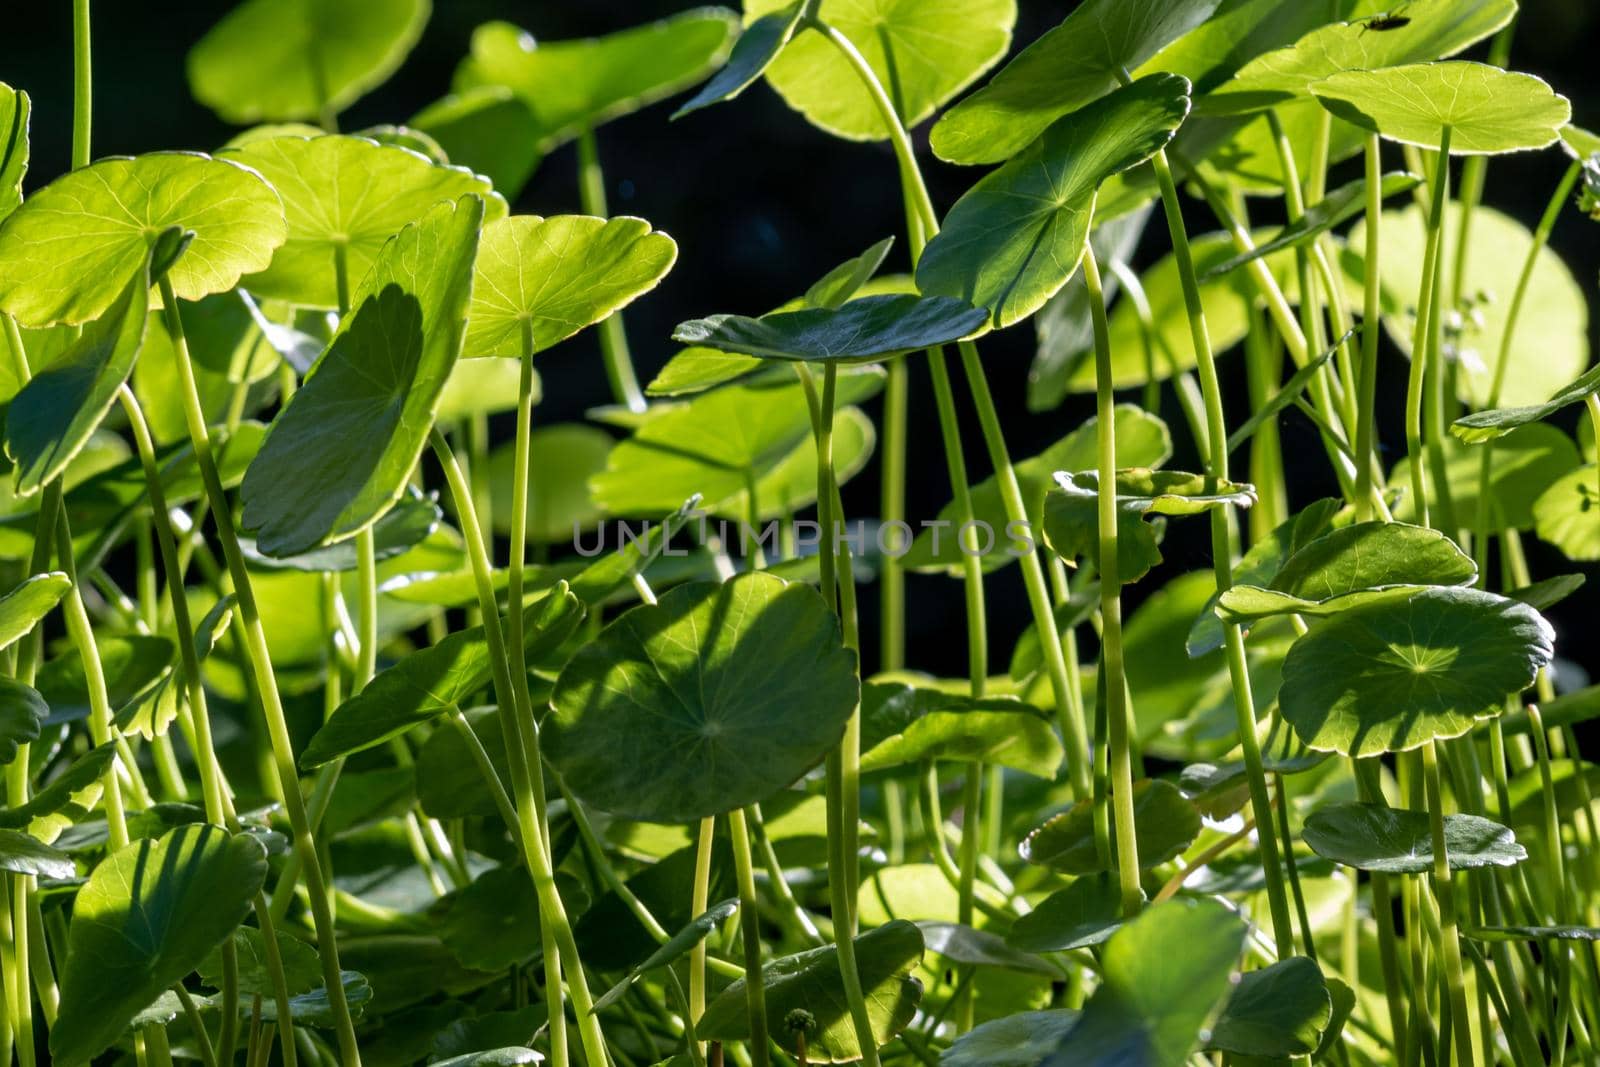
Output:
x=699 y=928
x=1085 y=913
x=302 y=968
x=149 y=914
x=22 y=715
x=1166 y=822
x=1277 y=1012
x=865 y=330
x=1371 y=837
x=1025 y=1039
x=746 y=684
x=756 y=47
x=979 y=948
x=1335 y=209
x=903 y=724
x=25 y=854
x=1392 y=676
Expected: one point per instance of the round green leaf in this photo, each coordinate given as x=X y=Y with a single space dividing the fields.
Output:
x=558 y=275
x=23 y=854
x=561 y=460
x=744 y=685
x=1017 y=235
x=1166 y=823
x=1065 y=69
x=23 y=607
x=575 y=85
x=865 y=330
x=1163 y=977
x=434 y=681
x=1433 y=31
x=929 y=50
x=1371 y=837
x=1085 y=913
x=1351 y=566
x=483 y=387
x=1527 y=462
x=302 y=967
x=72 y=248
x=1392 y=676
x=1025 y=1039
x=810 y=981
x=275 y=61
x=1565 y=515
x=350 y=193
x=1277 y=1012
x=149 y=914
x=1488 y=110
x=341 y=451
x=1551 y=346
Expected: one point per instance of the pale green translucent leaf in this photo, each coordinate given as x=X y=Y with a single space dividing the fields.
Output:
x=929 y=50
x=1567 y=514
x=149 y=914
x=746 y=684
x=70 y=250
x=488 y=130
x=575 y=85
x=1437 y=29
x=1552 y=336
x=350 y=193
x=340 y=453
x=14 y=107
x=558 y=275
x=1527 y=462
x=277 y=60
x=30 y=601
x=1393 y=676
x=1017 y=235
x=1371 y=837
x=1488 y=110
x=561 y=460
x=1066 y=68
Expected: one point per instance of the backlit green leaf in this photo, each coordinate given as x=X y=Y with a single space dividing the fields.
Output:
x=23 y=607
x=1488 y=110
x=575 y=85
x=1567 y=514
x=349 y=193
x=488 y=130
x=746 y=683
x=69 y=252
x=14 y=107
x=1392 y=676
x=558 y=275
x=272 y=61
x=1068 y=67
x=929 y=50
x=1527 y=462
x=339 y=454
x=149 y=914
x=865 y=330
x=1017 y=235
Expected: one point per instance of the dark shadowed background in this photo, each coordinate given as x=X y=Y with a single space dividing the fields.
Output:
x=761 y=204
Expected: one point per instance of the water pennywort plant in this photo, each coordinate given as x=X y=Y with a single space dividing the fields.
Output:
x=338 y=727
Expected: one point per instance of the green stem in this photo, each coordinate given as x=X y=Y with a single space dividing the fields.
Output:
x=750 y=920
x=613 y=338
x=535 y=848
x=1420 y=332
x=255 y=641
x=82 y=84
x=1444 y=890
x=1112 y=669
x=1371 y=328
x=699 y=901
x=892 y=509
x=1222 y=560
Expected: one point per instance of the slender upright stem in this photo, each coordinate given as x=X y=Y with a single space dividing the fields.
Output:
x=82 y=84
x=1222 y=561
x=1115 y=688
x=535 y=848
x=892 y=512
x=1371 y=328
x=1444 y=890
x=699 y=901
x=266 y=682
x=1421 y=330
x=750 y=921
x=613 y=338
